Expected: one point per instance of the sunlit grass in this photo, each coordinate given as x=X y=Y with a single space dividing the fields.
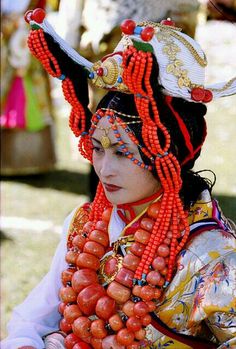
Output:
x=26 y=257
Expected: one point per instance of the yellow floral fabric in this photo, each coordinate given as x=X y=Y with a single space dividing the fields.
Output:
x=201 y=299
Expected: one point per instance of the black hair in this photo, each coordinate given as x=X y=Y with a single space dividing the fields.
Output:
x=192 y=115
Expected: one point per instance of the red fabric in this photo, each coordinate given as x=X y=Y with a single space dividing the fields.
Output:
x=182 y=126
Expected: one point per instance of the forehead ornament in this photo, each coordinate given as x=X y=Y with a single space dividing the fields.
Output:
x=105 y=140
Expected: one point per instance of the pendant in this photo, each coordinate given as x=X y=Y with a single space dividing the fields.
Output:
x=109 y=268
x=105 y=142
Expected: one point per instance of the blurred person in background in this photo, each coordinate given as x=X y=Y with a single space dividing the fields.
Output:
x=151 y=261
x=26 y=107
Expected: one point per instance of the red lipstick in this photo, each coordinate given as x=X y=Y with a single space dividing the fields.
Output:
x=111 y=187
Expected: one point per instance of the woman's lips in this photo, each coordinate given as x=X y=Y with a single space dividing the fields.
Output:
x=111 y=187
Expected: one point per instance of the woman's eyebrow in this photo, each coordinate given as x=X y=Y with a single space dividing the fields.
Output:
x=112 y=145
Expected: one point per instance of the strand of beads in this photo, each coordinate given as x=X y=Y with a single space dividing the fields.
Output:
x=39 y=48
x=90 y=311
x=77 y=116
x=171 y=213
x=81 y=290
x=143 y=298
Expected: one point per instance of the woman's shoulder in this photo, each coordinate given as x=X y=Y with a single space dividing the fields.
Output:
x=211 y=244
x=211 y=234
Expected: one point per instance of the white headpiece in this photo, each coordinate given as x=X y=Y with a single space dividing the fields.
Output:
x=181 y=63
x=180 y=58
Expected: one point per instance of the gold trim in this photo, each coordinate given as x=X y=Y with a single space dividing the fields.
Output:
x=119 y=113
x=225 y=87
x=174 y=32
x=201 y=61
x=175 y=65
x=158 y=25
x=112 y=71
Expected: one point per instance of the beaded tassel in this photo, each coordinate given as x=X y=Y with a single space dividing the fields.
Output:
x=99 y=204
x=77 y=115
x=39 y=48
x=171 y=217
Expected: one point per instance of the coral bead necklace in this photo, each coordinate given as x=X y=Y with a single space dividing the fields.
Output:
x=118 y=310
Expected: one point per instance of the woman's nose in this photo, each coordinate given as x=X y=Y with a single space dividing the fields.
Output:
x=107 y=166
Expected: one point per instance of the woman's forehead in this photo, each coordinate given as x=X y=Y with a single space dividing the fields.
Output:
x=104 y=127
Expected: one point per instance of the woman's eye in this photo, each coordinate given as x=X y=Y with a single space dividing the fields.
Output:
x=119 y=153
x=97 y=149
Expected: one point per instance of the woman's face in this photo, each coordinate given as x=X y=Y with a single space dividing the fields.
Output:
x=123 y=181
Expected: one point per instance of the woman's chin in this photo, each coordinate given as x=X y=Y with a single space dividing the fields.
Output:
x=114 y=197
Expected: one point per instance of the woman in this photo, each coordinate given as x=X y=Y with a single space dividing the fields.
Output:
x=150 y=262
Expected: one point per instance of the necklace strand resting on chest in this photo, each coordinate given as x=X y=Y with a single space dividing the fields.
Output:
x=118 y=310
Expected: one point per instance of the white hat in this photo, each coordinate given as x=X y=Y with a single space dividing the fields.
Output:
x=180 y=58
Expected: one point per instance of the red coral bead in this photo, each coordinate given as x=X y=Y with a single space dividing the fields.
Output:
x=98 y=329
x=153 y=277
x=106 y=215
x=147 y=293
x=83 y=278
x=67 y=295
x=147 y=33
x=82 y=345
x=140 y=309
x=65 y=326
x=100 y=71
x=115 y=322
x=208 y=96
x=125 y=337
x=147 y=224
x=88 y=297
x=61 y=308
x=128 y=26
x=146 y=320
x=96 y=343
x=134 y=324
x=27 y=16
x=38 y=15
x=128 y=308
x=163 y=250
x=159 y=263
x=153 y=209
x=197 y=94
x=81 y=327
x=168 y=21
x=71 y=313
x=125 y=277
x=105 y=308
x=71 y=340
x=102 y=225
